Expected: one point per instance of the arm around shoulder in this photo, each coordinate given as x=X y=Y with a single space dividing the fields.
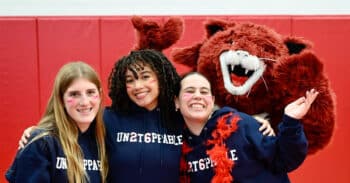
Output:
x=32 y=163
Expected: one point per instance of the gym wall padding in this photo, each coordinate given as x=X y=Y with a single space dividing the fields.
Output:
x=32 y=49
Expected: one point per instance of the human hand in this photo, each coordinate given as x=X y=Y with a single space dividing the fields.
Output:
x=265 y=127
x=301 y=106
x=25 y=136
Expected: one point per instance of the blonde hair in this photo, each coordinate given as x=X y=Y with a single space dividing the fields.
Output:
x=57 y=122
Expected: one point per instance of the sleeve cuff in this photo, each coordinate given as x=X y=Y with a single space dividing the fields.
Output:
x=289 y=121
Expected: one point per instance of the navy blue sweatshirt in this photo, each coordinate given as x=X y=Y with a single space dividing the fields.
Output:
x=43 y=160
x=257 y=158
x=140 y=149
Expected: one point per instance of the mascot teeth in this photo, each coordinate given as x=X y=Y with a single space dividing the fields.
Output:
x=240 y=71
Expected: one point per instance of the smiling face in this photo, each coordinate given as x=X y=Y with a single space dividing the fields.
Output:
x=195 y=100
x=82 y=101
x=142 y=87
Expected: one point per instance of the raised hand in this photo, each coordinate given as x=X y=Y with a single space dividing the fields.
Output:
x=301 y=106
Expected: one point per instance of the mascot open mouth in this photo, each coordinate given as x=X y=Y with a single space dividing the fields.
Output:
x=240 y=71
x=238 y=74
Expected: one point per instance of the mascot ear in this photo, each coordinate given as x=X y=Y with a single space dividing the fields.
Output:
x=151 y=35
x=296 y=45
x=213 y=26
x=187 y=56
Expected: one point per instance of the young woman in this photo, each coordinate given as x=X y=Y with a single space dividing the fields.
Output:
x=68 y=144
x=143 y=128
x=225 y=145
x=144 y=131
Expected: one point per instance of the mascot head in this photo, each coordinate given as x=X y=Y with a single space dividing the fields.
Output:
x=239 y=59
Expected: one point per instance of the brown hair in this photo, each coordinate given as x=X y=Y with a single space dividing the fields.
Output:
x=57 y=122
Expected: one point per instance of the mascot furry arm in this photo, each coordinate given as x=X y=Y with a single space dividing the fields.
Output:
x=253 y=69
x=256 y=70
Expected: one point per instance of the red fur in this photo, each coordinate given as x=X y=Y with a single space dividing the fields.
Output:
x=154 y=36
x=185 y=149
x=218 y=153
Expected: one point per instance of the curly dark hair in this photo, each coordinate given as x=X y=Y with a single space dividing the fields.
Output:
x=167 y=76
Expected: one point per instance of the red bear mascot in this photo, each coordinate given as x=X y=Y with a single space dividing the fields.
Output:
x=255 y=70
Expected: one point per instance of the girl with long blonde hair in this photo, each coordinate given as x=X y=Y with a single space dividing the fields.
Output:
x=68 y=144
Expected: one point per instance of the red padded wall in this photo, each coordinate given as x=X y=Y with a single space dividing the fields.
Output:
x=33 y=48
x=117 y=39
x=19 y=94
x=62 y=40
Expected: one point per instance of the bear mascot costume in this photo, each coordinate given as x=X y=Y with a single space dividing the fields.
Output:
x=252 y=68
